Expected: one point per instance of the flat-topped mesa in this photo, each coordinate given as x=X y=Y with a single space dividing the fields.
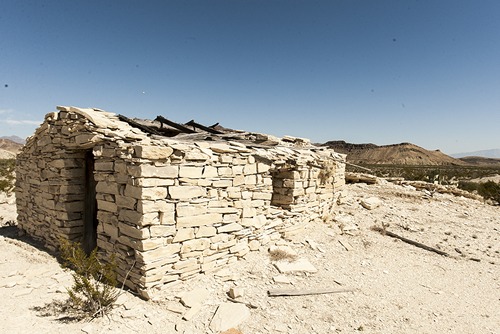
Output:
x=167 y=202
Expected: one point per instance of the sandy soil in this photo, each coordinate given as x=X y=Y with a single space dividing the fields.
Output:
x=398 y=288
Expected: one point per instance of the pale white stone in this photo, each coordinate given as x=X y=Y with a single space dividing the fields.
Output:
x=185 y=192
x=228 y=315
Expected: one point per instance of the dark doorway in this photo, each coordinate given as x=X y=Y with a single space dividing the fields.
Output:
x=89 y=241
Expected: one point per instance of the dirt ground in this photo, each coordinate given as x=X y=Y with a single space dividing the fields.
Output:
x=396 y=287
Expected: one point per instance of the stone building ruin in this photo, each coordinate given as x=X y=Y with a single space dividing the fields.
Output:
x=169 y=200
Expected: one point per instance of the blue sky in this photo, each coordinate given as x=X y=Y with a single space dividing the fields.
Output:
x=385 y=72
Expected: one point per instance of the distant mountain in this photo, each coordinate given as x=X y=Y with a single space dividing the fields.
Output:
x=15 y=139
x=481 y=161
x=9 y=148
x=396 y=154
x=494 y=153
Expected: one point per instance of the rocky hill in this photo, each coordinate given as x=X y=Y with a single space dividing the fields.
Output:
x=493 y=153
x=397 y=154
x=480 y=161
x=15 y=139
x=9 y=148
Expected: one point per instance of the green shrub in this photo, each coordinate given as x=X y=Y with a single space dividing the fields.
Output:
x=7 y=167
x=93 y=292
x=488 y=190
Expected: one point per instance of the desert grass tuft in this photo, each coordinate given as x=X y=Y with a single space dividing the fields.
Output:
x=281 y=255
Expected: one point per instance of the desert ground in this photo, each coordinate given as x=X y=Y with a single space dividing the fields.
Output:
x=385 y=285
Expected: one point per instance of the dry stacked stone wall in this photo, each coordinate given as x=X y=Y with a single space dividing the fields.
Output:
x=168 y=209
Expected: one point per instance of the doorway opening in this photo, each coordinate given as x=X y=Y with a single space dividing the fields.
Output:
x=90 y=221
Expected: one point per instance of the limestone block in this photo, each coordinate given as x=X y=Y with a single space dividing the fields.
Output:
x=238 y=180
x=192 y=254
x=250 y=169
x=254 y=245
x=130 y=216
x=223 y=210
x=153 y=152
x=133 y=192
x=194 y=172
x=150 y=244
x=206 y=231
x=257 y=203
x=230 y=217
x=227 y=244
x=221 y=148
x=250 y=180
x=184 y=234
x=104 y=166
x=108 y=217
x=125 y=202
x=110 y=230
x=195 y=245
x=107 y=187
x=240 y=246
x=85 y=140
x=246 y=195
x=196 y=156
x=225 y=171
x=145 y=206
x=232 y=227
x=299 y=265
x=222 y=183
x=103 y=205
x=166 y=172
x=185 y=192
x=134 y=232
x=154 y=193
x=248 y=212
x=71 y=189
x=221 y=237
x=152 y=182
x=199 y=220
x=371 y=203
x=257 y=221
x=187 y=209
x=225 y=159
x=58 y=163
x=262 y=168
x=267 y=181
x=194 y=297
x=159 y=253
x=162 y=230
x=262 y=195
x=185 y=264
x=228 y=315
x=120 y=167
x=210 y=171
x=237 y=170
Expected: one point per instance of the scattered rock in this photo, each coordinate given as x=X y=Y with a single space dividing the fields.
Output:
x=194 y=297
x=370 y=203
x=192 y=312
x=282 y=279
x=229 y=315
x=300 y=265
x=23 y=292
x=254 y=245
x=176 y=308
x=235 y=292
